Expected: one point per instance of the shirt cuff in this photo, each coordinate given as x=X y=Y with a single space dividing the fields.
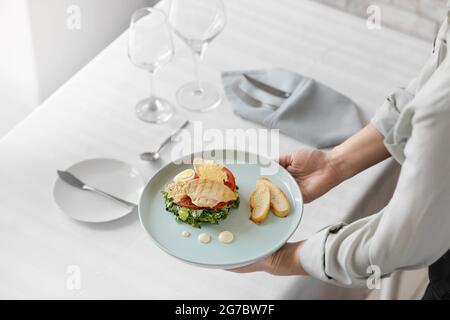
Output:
x=385 y=118
x=312 y=253
x=388 y=114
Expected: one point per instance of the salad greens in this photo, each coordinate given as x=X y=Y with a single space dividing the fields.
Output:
x=195 y=217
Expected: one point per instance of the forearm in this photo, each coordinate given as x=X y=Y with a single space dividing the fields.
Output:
x=361 y=151
x=286 y=261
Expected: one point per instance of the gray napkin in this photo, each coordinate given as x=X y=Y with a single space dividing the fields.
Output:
x=314 y=114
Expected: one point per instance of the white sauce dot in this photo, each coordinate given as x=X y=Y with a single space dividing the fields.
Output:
x=204 y=238
x=226 y=237
x=186 y=234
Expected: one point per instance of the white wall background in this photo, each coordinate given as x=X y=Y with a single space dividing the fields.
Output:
x=18 y=79
x=39 y=52
x=60 y=51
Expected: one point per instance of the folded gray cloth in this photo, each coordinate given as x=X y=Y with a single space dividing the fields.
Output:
x=314 y=114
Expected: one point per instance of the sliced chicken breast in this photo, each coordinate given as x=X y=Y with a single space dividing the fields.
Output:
x=207 y=193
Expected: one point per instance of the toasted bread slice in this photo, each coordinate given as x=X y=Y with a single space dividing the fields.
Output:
x=279 y=203
x=260 y=204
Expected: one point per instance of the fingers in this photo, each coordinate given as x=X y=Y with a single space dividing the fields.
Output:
x=254 y=267
x=241 y=270
x=302 y=183
x=285 y=160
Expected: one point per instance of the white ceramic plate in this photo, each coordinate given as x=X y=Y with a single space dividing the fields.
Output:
x=252 y=242
x=113 y=176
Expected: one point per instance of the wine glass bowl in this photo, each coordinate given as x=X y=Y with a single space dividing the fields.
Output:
x=197 y=23
x=150 y=47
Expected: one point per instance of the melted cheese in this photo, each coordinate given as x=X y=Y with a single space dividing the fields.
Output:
x=208 y=170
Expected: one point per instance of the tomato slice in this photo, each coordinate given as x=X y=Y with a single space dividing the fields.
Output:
x=231 y=182
x=220 y=205
x=187 y=203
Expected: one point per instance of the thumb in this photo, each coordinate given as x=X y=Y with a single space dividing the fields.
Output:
x=285 y=160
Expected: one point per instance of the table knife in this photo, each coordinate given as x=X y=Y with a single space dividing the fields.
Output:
x=70 y=179
x=249 y=100
x=267 y=88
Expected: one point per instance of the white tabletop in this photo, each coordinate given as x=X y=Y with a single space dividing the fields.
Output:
x=93 y=116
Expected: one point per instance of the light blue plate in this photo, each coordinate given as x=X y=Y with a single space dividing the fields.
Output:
x=252 y=242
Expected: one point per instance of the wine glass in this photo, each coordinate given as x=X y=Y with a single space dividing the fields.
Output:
x=197 y=23
x=150 y=47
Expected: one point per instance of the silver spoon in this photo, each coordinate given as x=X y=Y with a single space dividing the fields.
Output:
x=153 y=156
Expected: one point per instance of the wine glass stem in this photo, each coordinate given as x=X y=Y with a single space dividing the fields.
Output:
x=152 y=105
x=151 y=84
x=197 y=60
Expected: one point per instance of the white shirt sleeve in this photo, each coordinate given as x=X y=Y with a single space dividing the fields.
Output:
x=388 y=114
x=414 y=229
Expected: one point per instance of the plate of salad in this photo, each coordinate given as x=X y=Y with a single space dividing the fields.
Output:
x=205 y=193
x=218 y=209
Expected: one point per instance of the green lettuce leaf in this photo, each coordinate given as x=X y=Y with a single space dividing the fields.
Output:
x=195 y=217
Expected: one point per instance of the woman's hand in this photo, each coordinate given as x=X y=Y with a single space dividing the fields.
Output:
x=313 y=170
x=319 y=171
x=284 y=262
